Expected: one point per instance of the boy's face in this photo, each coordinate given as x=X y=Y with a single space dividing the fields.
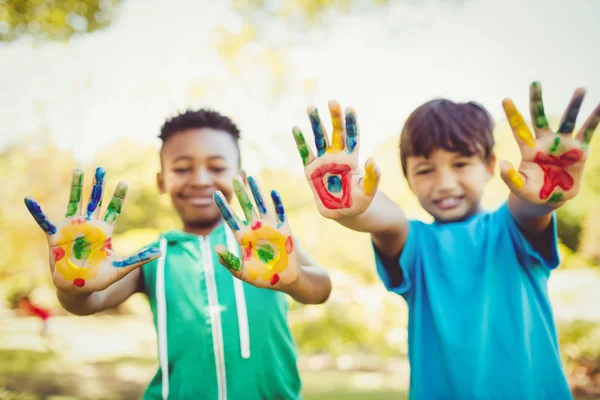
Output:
x=449 y=185
x=195 y=164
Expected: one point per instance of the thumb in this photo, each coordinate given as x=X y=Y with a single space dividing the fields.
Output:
x=513 y=178
x=370 y=182
x=144 y=256
x=229 y=260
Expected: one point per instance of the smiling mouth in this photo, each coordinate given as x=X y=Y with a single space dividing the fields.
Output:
x=198 y=201
x=448 y=203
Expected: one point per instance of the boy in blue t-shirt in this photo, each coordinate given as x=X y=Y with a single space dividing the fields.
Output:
x=480 y=321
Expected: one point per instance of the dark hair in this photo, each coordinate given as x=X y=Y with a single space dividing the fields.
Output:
x=466 y=128
x=202 y=118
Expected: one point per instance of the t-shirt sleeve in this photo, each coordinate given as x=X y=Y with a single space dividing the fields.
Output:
x=407 y=262
x=525 y=249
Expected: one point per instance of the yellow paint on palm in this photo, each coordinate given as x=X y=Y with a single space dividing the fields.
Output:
x=265 y=252
x=515 y=178
x=68 y=236
x=337 y=143
x=516 y=121
x=370 y=179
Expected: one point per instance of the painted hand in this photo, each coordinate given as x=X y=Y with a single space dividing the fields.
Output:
x=552 y=163
x=337 y=182
x=267 y=248
x=81 y=255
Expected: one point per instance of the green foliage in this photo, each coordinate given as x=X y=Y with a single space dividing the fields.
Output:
x=53 y=19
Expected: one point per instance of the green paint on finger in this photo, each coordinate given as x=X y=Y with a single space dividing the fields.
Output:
x=75 y=193
x=556 y=197
x=301 y=145
x=116 y=203
x=243 y=198
x=537 y=106
x=230 y=260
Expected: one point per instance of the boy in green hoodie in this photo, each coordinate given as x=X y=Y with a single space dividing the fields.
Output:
x=219 y=336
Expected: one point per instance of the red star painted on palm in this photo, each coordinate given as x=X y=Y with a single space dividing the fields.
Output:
x=554 y=170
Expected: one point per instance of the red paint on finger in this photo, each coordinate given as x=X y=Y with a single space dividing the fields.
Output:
x=79 y=282
x=275 y=279
x=289 y=245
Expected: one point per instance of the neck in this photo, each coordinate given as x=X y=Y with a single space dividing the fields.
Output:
x=202 y=229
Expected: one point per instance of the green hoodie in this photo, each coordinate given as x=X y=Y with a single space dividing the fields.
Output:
x=223 y=338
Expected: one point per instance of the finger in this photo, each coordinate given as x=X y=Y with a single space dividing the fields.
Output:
x=513 y=178
x=279 y=210
x=229 y=216
x=245 y=203
x=337 y=136
x=37 y=214
x=536 y=107
x=93 y=207
x=258 y=199
x=116 y=203
x=567 y=122
x=321 y=140
x=370 y=181
x=518 y=125
x=305 y=151
x=228 y=259
x=74 y=207
x=138 y=259
x=587 y=130
x=352 y=133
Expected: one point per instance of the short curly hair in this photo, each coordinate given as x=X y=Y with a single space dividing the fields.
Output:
x=202 y=118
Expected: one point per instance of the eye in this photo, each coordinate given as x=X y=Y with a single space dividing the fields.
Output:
x=461 y=164
x=218 y=170
x=424 y=171
x=182 y=170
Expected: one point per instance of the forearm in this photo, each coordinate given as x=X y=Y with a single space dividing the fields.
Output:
x=531 y=217
x=78 y=303
x=312 y=287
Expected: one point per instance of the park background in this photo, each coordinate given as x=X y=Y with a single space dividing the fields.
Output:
x=88 y=83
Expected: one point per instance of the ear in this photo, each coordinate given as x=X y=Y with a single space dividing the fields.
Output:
x=490 y=166
x=160 y=182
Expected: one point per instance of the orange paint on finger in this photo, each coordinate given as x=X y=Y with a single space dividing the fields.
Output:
x=516 y=121
x=516 y=178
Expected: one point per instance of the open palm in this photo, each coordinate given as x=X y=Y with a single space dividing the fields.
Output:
x=267 y=257
x=552 y=163
x=81 y=255
x=337 y=182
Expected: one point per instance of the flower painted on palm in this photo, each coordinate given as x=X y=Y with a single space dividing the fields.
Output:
x=332 y=182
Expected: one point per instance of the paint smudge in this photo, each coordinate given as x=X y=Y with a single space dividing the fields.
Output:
x=289 y=245
x=328 y=199
x=256 y=225
x=370 y=179
x=244 y=200
x=516 y=178
x=229 y=259
x=556 y=197
x=554 y=148
x=279 y=210
x=301 y=145
x=568 y=124
x=334 y=184
x=516 y=121
x=351 y=131
x=554 y=170
x=79 y=282
x=537 y=106
x=315 y=122
x=144 y=255
x=36 y=212
x=58 y=253
x=96 y=196
x=75 y=193
x=224 y=210
x=116 y=203
x=257 y=195
x=81 y=248
x=337 y=143
x=275 y=279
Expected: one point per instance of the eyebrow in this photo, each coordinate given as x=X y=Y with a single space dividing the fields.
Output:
x=187 y=158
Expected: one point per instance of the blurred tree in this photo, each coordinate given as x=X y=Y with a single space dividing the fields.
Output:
x=54 y=19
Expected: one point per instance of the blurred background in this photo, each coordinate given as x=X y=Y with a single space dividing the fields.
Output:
x=88 y=83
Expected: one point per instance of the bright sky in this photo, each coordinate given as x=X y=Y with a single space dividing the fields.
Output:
x=159 y=57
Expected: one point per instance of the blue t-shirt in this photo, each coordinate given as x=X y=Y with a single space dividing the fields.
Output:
x=480 y=322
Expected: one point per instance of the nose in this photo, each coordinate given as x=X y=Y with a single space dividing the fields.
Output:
x=446 y=180
x=202 y=177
